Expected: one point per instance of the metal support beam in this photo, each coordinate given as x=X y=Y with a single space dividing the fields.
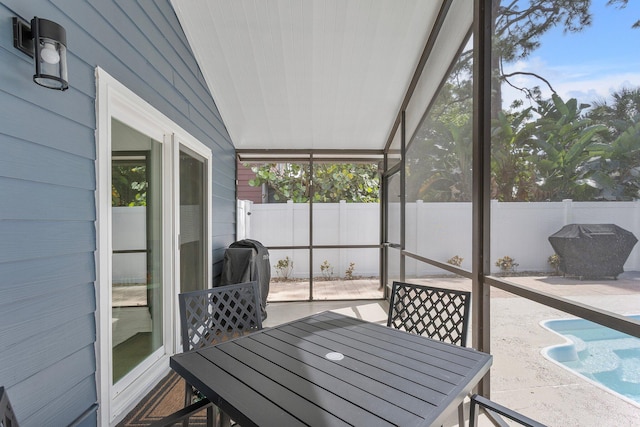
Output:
x=384 y=226
x=403 y=194
x=482 y=33
x=311 y=194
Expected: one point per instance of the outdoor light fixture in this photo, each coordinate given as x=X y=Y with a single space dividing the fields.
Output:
x=46 y=42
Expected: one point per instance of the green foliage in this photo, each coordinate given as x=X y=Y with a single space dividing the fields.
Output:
x=511 y=171
x=439 y=159
x=129 y=185
x=620 y=113
x=352 y=182
x=615 y=166
x=562 y=139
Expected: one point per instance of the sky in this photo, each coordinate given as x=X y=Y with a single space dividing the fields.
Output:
x=589 y=65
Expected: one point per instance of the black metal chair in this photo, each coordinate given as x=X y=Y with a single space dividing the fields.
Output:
x=495 y=408
x=210 y=317
x=437 y=313
x=7 y=417
x=442 y=314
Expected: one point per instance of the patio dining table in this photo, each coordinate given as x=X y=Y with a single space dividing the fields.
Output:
x=332 y=370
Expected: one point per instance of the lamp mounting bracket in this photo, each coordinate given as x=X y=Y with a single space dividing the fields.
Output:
x=22 y=37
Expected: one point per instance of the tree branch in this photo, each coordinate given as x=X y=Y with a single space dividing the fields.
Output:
x=525 y=73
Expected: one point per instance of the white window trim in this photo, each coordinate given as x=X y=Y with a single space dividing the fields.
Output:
x=114 y=100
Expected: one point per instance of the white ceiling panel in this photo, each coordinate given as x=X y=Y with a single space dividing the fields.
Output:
x=308 y=74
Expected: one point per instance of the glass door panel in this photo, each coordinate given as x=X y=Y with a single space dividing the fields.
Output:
x=137 y=257
x=193 y=267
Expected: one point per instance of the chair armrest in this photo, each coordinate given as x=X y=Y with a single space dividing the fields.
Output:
x=183 y=413
x=499 y=409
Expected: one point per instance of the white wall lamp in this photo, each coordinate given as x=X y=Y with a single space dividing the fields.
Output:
x=46 y=42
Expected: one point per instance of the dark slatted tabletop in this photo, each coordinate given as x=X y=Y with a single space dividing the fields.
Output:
x=282 y=377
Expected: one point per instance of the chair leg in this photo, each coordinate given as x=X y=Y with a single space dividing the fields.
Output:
x=222 y=419
x=461 y=415
x=473 y=416
x=188 y=400
x=211 y=416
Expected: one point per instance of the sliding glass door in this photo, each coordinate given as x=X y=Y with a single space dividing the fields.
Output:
x=137 y=254
x=153 y=241
x=193 y=216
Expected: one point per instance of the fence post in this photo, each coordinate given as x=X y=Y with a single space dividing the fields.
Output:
x=288 y=213
x=243 y=219
x=568 y=211
x=419 y=267
x=494 y=240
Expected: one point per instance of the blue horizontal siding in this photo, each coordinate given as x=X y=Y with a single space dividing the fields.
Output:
x=49 y=130
x=57 y=308
x=47 y=187
x=43 y=239
x=46 y=389
x=47 y=202
x=37 y=278
x=28 y=161
x=81 y=395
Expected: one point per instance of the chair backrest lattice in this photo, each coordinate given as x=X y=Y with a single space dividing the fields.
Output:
x=218 y=314
x=437 y=313
x=7 y=417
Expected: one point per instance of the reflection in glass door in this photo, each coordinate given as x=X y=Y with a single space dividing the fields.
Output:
x=137 y=282
x=193 y=214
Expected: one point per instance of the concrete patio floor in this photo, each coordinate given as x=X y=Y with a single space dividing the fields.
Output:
x=521 y=378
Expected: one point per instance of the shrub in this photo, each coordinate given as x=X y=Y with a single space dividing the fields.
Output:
x=507 y=264
x=327 y=270
x=284 y=267
x=348 y=274
x=554 y=261
x=455 y=260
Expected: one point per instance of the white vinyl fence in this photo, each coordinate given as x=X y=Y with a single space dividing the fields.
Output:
x=435 y=230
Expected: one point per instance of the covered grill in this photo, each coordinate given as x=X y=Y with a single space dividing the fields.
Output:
x=244 y=261
x=592 y=250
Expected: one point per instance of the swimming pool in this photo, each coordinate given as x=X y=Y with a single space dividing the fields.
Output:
x=603 y=356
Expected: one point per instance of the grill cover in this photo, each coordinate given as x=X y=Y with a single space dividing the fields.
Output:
x=245 y=261
x=592 y=250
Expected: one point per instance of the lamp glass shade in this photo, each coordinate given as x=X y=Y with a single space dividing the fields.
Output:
x=49 y=40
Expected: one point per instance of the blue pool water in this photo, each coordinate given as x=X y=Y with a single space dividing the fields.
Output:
x=604 y=356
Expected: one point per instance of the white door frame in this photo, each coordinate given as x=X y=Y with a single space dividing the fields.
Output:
x=191 y=144
x=114 y=100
